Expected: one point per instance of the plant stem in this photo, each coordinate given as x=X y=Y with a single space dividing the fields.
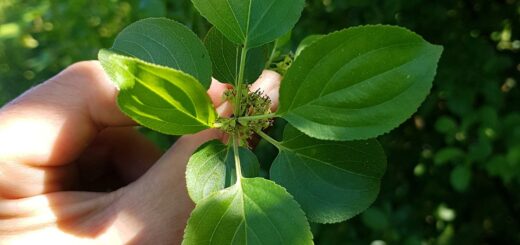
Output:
x=237 y=112
x=240 y=81
x=256 y=117
x=236 y=141
x=270 y=140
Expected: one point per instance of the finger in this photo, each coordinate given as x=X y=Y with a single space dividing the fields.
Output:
x=64 y=218
x=25 y=214
x=269 y=84
x=216 y=90
x=43 y=205
x=52 y=123
x=17 y=181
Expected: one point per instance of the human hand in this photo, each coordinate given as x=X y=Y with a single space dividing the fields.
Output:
x=73 y=170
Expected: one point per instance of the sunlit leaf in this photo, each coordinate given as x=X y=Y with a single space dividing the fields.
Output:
x=212 y=168
x=254 y=211
x=358 y=83
x=249 y=22
x=158 y=97
x=333 y=181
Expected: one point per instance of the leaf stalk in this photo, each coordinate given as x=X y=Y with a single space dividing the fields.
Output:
x=270 y=140
x=240 y=81
x=257 y=117
x=238 y=167
x=237 y=112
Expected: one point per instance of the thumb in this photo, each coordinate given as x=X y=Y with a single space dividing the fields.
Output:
x=269 y=84
x=173 y=163
x=157 y=206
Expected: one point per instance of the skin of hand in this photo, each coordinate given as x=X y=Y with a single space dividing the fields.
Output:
x=73 y=169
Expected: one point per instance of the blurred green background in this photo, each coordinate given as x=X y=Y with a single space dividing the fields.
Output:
x=454 y=168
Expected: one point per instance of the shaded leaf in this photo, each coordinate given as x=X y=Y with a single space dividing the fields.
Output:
x=333 y=181
x=251 y=23
x=225 y=57
x=358 y=83
x=168 y=43
x=449 y=154
x=445 y=125
x=460 y=178
x=212 y=168
x=254 y=211
x=152 y=8
x=376 y=219
x=157 y=97
x=480 y=151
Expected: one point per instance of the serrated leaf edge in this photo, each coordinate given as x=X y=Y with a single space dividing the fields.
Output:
x=282 y=114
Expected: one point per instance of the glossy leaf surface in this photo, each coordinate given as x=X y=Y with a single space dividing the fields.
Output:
x=157 y=97
x=168 y=43
x=333 y=181
x=225 y=56
x=251 y=22
x=358 y=83
x=254 y=211
x=212 y=168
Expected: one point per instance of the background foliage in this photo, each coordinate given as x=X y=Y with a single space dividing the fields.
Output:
x=454 y=168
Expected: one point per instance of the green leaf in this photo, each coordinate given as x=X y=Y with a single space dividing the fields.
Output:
x=152 y=8
x=212 y=168
x=449 y=154
x=251 y=23
x=225 y=57
x=333 y=181
x=376 y=219
x=280 y=46
x=283 y=41
x=168 y=43
x=358 y=83
x=480 y=151
x=253 y=211
x=158 y=97
x=306 y=42
x=501 y=166
x=446 y=125
x=460 y=178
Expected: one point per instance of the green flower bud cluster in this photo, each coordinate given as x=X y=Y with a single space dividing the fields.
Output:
x=251 y=104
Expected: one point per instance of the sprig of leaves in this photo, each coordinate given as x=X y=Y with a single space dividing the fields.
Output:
x=341 y=91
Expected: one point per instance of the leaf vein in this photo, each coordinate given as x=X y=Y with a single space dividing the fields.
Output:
x=327 y=55
x=267 y=216
x=220 y=220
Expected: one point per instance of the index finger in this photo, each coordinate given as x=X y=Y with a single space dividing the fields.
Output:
x=52 y=123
